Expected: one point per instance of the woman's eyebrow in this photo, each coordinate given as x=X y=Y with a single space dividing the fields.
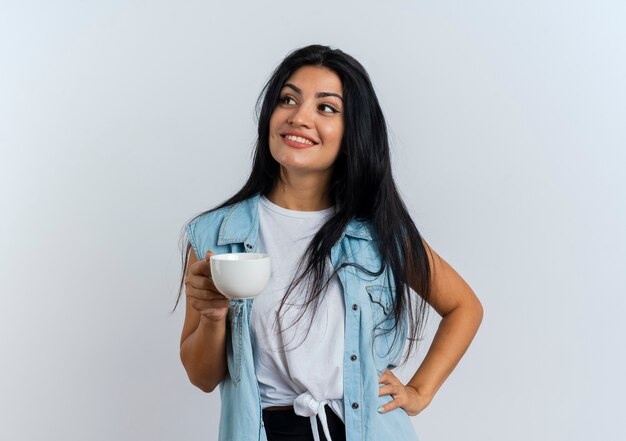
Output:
x=318 y=95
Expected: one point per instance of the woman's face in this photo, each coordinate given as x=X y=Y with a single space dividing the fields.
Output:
x=307 y=124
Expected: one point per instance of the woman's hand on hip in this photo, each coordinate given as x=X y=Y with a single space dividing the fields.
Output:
x=202 y=294
x=406 y=397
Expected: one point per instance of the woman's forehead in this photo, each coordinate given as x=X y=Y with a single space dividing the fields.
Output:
x=314 y=79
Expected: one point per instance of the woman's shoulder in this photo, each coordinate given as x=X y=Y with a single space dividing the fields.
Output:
x=208 y=217
x=216 y=216
x=213 y=228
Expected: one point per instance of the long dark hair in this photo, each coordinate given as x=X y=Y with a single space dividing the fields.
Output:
x=361 y=187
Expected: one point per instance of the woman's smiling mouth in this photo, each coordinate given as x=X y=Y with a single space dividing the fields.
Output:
x=296 y=141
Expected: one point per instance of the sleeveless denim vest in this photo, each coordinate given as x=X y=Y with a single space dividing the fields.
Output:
x=368 y=351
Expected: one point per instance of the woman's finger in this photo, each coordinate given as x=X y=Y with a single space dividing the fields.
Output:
x=207 y=258
x=388 y=378
x=395 y=390
x=204 y=294
x=393 y=404
x=215 y=314
x=391 y=385
x=199 y=304
x=391 y=389
x=200 y=281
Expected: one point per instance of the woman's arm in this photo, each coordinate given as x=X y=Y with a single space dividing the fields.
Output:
x=461 y=313
x=203 y=339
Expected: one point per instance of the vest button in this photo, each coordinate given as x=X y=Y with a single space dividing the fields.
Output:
x=355 y=405
x=353 y=357
x=355 y=307
x=248 y=246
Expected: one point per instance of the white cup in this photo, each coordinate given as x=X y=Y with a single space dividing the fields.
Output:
x=240 y=275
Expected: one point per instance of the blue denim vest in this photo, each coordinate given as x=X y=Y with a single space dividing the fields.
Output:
x=368 y=351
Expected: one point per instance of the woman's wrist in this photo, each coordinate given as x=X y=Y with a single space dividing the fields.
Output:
x=423 y=391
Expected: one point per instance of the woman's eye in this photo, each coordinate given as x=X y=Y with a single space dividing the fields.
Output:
x=332 y=109
x=285 y=99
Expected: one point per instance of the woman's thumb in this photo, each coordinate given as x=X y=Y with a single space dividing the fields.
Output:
x=208 y=254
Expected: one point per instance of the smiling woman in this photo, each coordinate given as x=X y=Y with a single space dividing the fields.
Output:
x=321 y=200
x=306 y=127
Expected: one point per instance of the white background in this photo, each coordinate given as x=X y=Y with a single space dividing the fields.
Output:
x=121 y=120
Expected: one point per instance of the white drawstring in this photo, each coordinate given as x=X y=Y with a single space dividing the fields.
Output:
x=307 y=405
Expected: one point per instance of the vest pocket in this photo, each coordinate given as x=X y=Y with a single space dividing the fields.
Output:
x=381 y=296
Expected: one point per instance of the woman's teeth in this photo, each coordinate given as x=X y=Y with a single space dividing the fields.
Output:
x=298 y=139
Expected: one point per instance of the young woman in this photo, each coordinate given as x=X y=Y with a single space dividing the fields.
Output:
x=310 y=357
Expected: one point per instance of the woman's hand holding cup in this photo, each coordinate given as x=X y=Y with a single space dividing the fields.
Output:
x=202 y=294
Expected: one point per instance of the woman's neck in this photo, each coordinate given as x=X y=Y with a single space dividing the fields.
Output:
x=302 y=193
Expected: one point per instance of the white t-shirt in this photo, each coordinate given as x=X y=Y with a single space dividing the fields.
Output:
x=308 y=372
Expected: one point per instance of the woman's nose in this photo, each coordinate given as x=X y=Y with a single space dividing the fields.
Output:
x=301 y=116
